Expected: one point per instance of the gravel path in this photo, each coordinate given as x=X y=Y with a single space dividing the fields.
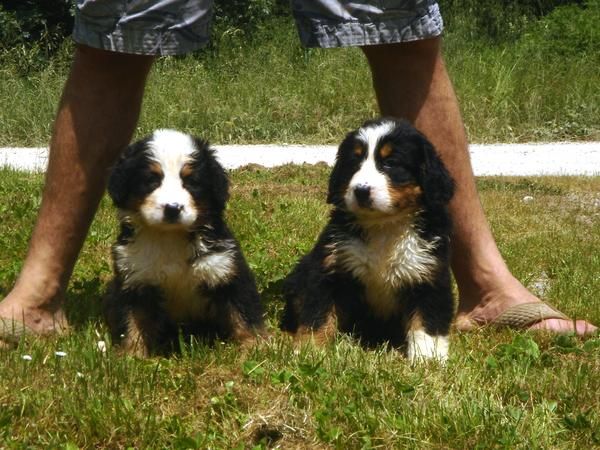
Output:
x=560 y=158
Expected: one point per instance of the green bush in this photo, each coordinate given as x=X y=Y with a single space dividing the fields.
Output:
x=565 y=32
x=247 y=14
x=46 y=23
x=495 y=21
x=40 y=23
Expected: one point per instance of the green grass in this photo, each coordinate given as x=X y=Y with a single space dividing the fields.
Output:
x=271 y=90
x=500 y=389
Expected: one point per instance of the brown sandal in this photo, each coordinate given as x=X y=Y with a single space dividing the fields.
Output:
x=522 y=316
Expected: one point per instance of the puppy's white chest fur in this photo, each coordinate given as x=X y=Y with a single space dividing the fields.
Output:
x=389 y=258
x=180 y=267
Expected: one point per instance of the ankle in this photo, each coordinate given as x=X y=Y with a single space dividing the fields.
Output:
x=42 y=316
x=41 y=294
x=484 y=288
x=492 y=294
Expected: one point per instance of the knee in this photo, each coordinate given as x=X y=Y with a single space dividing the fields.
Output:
x=106 y=63
x=405 y=55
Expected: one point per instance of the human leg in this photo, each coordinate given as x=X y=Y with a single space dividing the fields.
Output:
x=411 y=82
x=96 y=118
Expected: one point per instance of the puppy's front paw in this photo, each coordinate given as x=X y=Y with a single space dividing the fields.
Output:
x=422 y=347
x=134 y=346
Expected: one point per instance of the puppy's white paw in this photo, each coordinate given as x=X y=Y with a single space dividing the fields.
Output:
x=423 y=347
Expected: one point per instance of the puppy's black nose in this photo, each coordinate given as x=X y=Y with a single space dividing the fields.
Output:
x=362 y=192
x=172 y=211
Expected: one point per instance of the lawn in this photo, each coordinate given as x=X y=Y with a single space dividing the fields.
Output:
x=500 y=389
x=540 y=85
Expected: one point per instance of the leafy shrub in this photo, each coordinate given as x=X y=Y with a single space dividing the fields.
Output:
x=41 y=23
x=496 y=21
x=566 y=32
x=247 y=14
x=47 y=23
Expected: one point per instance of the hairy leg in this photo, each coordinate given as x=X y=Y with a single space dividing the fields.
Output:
x=96 y=118
x=411 y=82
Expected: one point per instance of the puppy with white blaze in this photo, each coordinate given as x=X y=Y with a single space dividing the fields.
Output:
x=178 y=268
x=380 y=268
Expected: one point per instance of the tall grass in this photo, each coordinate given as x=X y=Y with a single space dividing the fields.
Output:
x=541 y=84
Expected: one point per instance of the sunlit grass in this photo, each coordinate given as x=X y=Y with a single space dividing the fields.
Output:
x=271 y=90
x=500 y=389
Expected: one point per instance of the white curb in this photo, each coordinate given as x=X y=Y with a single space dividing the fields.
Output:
x=559 y=158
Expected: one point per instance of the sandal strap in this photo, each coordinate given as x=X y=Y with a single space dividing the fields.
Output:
x=526 y=314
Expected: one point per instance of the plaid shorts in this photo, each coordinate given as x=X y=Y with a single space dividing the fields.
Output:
x=170 y=27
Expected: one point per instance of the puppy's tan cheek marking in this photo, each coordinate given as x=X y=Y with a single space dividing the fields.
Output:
x=344 y=189
x=405 y=196
x=385 y=151
x=198 y=208
x=135 y=204
x=146 y=203
x=322 y=335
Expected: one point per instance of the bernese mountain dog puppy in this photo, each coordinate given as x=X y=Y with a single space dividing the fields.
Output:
x=380 y=268
x=178 y=269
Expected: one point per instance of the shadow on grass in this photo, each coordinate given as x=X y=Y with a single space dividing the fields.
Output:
x=84 y=302
x=272 y=299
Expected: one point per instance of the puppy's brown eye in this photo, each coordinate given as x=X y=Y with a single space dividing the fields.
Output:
x=359 y=150
x=385 y=151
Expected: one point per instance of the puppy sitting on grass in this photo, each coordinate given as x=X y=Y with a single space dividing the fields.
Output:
x=178 y=268
x=380 y=268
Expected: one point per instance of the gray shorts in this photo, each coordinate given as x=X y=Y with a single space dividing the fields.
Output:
x=170 y=27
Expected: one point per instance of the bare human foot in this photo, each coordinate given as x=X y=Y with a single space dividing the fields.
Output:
x=19 y=317
x=509 y=293
x=40 y=320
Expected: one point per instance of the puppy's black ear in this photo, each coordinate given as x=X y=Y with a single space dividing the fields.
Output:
x=121 y=174
x=436 y=182
x=211 y=173
x=339 y=179
x=333 y=194
x=219 y=180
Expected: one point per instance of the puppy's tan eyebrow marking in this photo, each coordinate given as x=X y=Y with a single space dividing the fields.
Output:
x=186 y=171
x=359 y=150
x=155 y=168
x=385 y=150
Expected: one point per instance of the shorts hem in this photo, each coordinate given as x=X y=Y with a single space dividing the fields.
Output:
x=137 y=42
x=353 y=34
